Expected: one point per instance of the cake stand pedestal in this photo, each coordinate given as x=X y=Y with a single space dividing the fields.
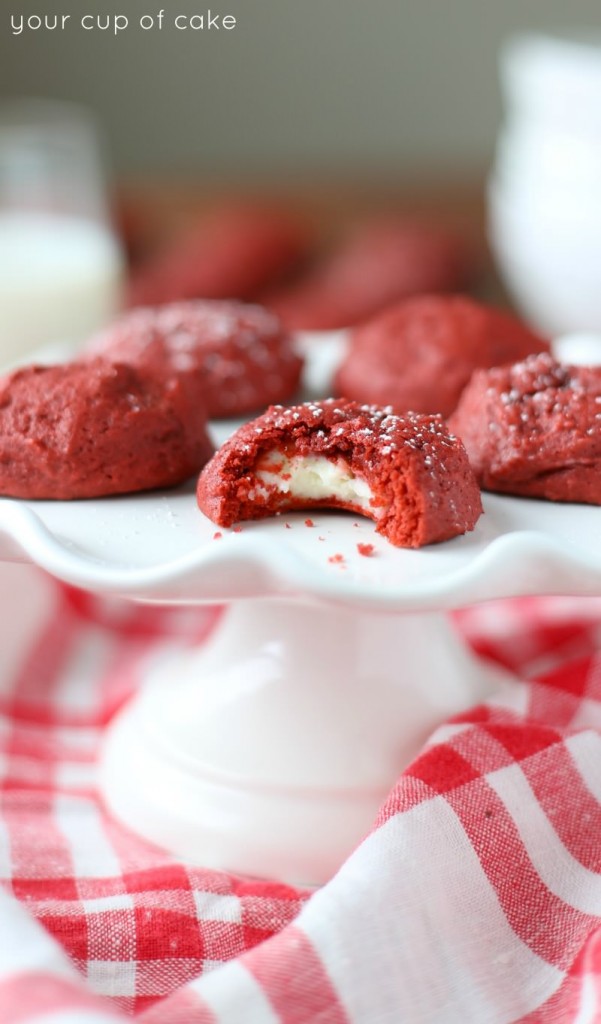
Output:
x=269 y=751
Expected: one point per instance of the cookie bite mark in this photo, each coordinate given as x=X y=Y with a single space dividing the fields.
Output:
x=406 y=473
x=310 y=479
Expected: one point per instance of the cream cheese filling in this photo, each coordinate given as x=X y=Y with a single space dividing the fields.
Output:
x=314 y=478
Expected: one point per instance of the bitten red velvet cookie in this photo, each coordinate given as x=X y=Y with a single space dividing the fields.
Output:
x=421 y=353
x=379 y=262
x=232 y=252
x=87 y=430
x=407 y=473
x=243 y=355
x=534 y=429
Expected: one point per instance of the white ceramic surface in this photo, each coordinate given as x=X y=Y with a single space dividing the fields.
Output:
x=269 y=751
x=544 y=196
x=547 y=246
x=581 y=349
x=561 y=160
x=159 y=548
x=554 y=78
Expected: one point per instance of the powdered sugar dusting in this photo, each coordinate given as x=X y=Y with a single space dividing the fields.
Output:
x=241 y=348
x=379 y=430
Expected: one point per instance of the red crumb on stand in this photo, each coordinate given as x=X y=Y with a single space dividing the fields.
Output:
x=217 y=536
x=309 y=522
x=367 y=550
x=288 y=526
x=337 y=559
x=237 y=529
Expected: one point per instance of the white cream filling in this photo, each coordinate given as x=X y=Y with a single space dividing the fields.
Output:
x=315 y=478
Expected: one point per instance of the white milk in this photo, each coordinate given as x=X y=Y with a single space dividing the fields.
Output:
x=60 y=279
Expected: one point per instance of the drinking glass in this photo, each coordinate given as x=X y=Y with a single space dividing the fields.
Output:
x=61 y=265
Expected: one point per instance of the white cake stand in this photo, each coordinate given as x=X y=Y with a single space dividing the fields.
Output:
x=269 y=750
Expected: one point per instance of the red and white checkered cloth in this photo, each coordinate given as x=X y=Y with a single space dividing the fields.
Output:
x=476 y=897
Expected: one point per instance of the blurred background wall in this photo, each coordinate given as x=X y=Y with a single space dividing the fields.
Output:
x=299 y=88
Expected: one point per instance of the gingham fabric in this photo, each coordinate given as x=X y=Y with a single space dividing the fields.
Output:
x=476 y=896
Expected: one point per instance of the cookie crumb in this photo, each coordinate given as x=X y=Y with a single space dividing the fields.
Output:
x=337 y=559
x=367 y=550
x=309 y=522
x=217 y=536
x=288 y=526
x=237 y=529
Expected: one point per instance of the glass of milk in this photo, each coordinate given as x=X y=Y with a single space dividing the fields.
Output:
x=61 y=265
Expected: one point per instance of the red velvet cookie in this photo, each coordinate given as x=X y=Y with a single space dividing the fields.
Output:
x=87 y=430
x=232 y=252
x=534 y=429
x=407 y=473
x=421 y=353
x=380 y=262
x=243 y=357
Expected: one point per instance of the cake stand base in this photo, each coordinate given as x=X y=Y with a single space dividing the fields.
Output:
x=269 y=751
